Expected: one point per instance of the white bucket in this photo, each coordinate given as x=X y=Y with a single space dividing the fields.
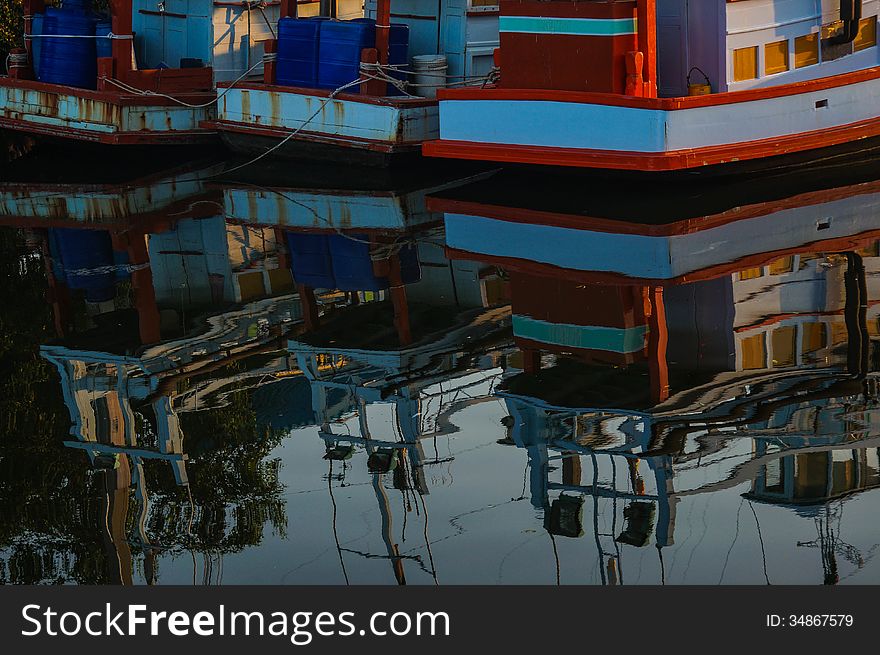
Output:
x=430 y=74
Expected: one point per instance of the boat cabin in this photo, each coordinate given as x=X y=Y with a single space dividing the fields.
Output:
x=746 y=44
x=668 y=85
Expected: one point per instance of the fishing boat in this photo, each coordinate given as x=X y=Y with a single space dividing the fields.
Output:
x=671 y=85
x=361 y=90
x=144 y=74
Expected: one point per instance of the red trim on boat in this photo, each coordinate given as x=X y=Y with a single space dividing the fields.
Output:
x=653 y=161
x=622 y=226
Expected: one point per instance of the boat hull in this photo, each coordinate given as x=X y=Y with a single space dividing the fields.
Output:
x=613 y=132
x=99 y=116
x=310 y=124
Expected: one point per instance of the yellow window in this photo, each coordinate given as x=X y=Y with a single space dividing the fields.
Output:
x=839 y=333
x=776 y=57
x=751 y=273
x=745 y=64
x=806 y=50
x=812 y=337
x=754 y=355
x=867 y=36
x=784 y=346
x=782 y=265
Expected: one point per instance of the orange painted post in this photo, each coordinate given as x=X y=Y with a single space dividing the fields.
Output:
x=635 y=81
x=658 y=338
x=647 y=27
x=121 y=26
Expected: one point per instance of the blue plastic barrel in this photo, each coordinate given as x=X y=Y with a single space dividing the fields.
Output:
x=69 y=61
x=104 y=46
x=298 y=52
x=310 y=260
x=352 y=265
x=37 y=44
x=398 y=53
x=82 y=6
x=84 y=259
x=339 y=51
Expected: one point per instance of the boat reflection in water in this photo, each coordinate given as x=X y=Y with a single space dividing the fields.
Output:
x=443 y=381
x=685 y=359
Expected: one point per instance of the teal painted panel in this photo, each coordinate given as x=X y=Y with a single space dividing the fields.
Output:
x=572 y=26
x=588 y=337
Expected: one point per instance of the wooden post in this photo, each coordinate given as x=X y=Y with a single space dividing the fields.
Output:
x=383 y=33
x=309 y=307
x=120 y=11
x=31 y=7
x=269 y=46
x=647 y=26
x=288 y=9
x=142 y=285
x=399 y=301
x=371 y=87
x=531 y=360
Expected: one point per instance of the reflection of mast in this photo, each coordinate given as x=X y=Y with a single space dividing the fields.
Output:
x=831 y=545
x=855 y=315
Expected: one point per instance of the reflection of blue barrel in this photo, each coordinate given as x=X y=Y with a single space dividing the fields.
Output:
x=85 y=260
x=353 y=264
x=83 y=6
x=104 y=45
x=68 y=59
x=310 y=260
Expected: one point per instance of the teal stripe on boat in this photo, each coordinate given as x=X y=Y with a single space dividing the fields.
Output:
x=590 y=337
x=577 y=26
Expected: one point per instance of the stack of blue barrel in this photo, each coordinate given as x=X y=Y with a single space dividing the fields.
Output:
x=321 y=53
x=343 y=262
x=85 y=261
x=70 y=58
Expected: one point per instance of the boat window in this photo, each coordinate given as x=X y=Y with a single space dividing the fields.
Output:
x=776 y=57
x=784 y=345
x=806 y=50
x=483 y=5
x=754 y=354
x=813 y=337
x=782 y=265
x=867 y=36
x=745 y=64
x=751 y=273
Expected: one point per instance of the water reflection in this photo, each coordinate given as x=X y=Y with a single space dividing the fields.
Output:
x=450 y=380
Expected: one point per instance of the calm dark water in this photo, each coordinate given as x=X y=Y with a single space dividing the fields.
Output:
x=319 y=377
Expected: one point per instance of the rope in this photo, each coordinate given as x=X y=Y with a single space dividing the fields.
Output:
x=296 y=131
x=109 y=35
x=142 y=92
